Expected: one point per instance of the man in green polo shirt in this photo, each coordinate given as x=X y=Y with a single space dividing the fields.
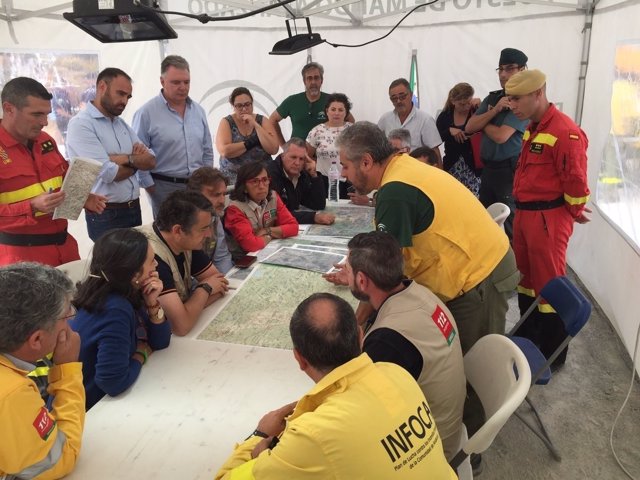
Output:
x=306 y=109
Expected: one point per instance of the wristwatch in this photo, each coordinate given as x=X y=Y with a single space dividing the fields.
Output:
x=206 y=287
x=257 y=433
x=159 y=314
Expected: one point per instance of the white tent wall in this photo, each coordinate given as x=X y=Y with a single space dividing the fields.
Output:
x=602 y=258
x=463 y=48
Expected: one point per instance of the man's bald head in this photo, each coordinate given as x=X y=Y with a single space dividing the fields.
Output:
x=325 y=332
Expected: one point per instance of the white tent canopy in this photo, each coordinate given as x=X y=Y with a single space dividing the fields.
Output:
x=456 y=40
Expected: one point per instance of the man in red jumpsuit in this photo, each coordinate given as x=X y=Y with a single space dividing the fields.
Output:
x=31 y=174
x=551 y=192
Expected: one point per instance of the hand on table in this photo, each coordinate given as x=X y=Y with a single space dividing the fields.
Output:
x=218 y=282
x=358 y=199
x=324 y=218
x=339 y=276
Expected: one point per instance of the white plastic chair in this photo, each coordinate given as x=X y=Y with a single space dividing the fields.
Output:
x=76 y=270
x=499 y=212
x=499 y=373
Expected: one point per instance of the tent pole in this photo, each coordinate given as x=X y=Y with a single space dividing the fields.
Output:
x=584 y=58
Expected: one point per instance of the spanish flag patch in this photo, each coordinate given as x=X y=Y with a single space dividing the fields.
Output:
x=573 y=136
x=4 y=156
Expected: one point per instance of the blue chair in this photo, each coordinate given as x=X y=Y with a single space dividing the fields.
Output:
x=574 y=310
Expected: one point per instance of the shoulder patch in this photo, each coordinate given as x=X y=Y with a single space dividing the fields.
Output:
x=444 y=324
x=573 y=136
x=4 y=156
x=47 y=146
x=44 y=424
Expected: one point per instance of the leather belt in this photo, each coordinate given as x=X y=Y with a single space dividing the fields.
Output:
x=165 y=178
x=33 y=240
x=130 y=204
x=558 y=202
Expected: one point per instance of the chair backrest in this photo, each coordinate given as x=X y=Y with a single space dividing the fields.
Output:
x=571 y=305
x=499 y=212
x=499 y=373
x=76 y=270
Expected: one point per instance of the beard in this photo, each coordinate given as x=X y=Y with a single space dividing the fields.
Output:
x=359 y=294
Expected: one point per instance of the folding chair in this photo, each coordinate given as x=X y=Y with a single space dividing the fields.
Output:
x=574 y=310
x=499 y=373
x=77 y=270
x=499 y=212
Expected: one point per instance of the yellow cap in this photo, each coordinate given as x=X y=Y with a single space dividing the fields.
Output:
x=525 y=82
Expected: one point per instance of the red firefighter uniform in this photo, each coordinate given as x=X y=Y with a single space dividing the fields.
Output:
x=26 y=172
x=550 y=189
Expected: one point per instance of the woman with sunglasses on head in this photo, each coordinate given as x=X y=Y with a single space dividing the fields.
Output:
x=119 y=318
x=244 y=137
x=256 y=214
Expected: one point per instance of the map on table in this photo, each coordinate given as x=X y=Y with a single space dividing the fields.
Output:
x=349 y=222
x=313 y=260
x=259 y=313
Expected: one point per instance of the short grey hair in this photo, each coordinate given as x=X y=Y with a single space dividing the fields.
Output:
x=361 y=138
x=401 y=134
x=298 y=142
x=175 y=61
x=34 y=297
x=312 y=65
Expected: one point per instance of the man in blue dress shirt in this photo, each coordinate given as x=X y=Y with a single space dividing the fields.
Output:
x=99 y=133
x=176 y=129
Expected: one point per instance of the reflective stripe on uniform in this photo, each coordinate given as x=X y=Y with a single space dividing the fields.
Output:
x=575 y=200
x=31 y=191
x=527 y=291
x=545 y=308
x=47 y=462
x=545 y=139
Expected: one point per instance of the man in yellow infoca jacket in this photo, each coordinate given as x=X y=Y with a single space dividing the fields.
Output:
x=360 y=421
x=39 y=440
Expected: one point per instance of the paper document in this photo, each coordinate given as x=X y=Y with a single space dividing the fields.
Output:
x=77 y=185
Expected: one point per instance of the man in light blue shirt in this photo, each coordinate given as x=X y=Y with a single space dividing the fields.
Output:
x=99 y=133
x=176 y=129
x=211 y=183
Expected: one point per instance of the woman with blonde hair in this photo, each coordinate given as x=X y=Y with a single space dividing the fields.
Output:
x=458 y=154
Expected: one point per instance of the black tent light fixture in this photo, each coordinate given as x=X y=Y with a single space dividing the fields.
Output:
x=121 y=20
x=296 y=43
x=139 y=20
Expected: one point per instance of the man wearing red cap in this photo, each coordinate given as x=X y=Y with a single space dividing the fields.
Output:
x=550 y=190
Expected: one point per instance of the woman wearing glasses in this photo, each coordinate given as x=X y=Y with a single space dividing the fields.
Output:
x=244 y=136
x=256 y=214
x=119 y=318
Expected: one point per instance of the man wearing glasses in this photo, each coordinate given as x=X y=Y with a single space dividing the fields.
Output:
x=419 y=123
x=38 y=439
x=501 y=139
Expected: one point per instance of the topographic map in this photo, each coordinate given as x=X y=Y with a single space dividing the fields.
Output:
x=350 y=220
x=259 y=312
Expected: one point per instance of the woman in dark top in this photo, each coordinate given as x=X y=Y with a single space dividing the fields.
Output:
x=458 y=154
x=244 y=137
x=119 y=318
